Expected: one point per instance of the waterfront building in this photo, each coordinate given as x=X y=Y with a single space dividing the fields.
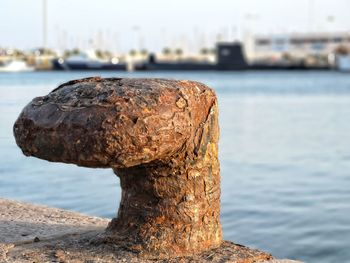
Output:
x=298 y=44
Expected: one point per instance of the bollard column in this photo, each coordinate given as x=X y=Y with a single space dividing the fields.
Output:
x=159 y=136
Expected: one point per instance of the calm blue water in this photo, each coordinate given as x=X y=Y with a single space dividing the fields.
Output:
x=284 y=151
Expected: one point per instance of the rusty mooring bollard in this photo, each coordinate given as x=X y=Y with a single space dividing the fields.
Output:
x=159 y=136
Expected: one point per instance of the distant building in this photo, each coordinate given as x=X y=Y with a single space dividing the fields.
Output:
x=299 y=45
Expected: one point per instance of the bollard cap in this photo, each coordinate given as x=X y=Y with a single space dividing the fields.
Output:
x=113 y=122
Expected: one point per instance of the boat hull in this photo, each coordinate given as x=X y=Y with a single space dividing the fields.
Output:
x=16 y=66
x=86 y=66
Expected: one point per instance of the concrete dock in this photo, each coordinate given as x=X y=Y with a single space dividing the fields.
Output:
x=33 y=233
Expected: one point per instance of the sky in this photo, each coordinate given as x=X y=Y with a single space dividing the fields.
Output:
x=122 y=25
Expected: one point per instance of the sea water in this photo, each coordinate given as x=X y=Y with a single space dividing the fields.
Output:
x=284 y=152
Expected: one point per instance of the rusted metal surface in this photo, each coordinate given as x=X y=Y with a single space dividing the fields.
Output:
x=159 y=136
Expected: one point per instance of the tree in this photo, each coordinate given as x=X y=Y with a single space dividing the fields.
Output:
x=166 y=51
x=75 y=51
x=133 y=52
x=204 y=51
x=178 y=51
x=144 y=52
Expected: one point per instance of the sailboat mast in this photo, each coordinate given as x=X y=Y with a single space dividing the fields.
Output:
x=311 y=15
x=44 y=24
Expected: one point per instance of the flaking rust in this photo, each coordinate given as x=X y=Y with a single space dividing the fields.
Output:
x=161 y=139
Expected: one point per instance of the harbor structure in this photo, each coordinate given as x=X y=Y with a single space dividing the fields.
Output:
x=298 y=44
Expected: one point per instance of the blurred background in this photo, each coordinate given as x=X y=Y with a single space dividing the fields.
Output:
x=281 y=70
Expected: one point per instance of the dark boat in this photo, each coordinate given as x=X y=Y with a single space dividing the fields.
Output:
x=229 y=57
x=152 y=64
x=285 y=66
x=84 y=61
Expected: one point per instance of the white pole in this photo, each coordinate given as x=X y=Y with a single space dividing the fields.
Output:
x=311 y=15
x=44 y=23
